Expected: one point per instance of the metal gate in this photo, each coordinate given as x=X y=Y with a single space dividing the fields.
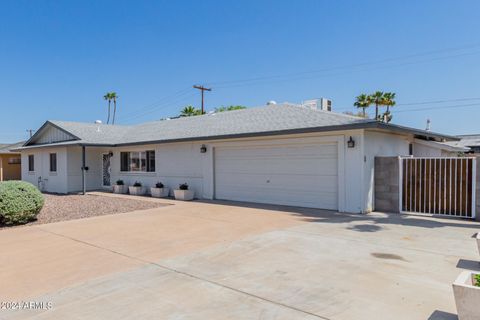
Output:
x=443 y=186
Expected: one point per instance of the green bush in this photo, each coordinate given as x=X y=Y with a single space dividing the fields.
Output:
x=20 y=202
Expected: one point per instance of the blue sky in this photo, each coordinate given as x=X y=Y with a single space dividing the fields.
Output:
x=58 y=58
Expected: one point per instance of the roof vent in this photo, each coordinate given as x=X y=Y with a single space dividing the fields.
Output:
x=98 y=121
x=271 y=103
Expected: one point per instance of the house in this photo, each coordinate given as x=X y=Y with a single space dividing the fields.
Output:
x=283 y=154
x=10 y=168
x=471 y=141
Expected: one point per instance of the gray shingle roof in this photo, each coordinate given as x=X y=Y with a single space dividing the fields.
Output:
x=7 y=147
x=472 y=140
x=273 y=119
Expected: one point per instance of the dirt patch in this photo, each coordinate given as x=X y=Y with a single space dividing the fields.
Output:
x=70 y=207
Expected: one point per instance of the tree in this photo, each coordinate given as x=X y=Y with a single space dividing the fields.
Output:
x=378 y=99
x=189 y=111
x=109 y=99
x=363 y=101
x=114 y=97
x=389 y=100
x=230 y=108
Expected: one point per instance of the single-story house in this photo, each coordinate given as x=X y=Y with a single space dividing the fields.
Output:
x=471 y=141
x=10 y=167
x=283 y=154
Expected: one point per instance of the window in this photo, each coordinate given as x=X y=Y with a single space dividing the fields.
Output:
x=31 y=163
x=14 y=160
x=138 y=161
x=151 y=161
x=53 y=162
x=410 y=149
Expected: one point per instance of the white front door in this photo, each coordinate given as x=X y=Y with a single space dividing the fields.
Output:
x=106 y=170
x=294 y=174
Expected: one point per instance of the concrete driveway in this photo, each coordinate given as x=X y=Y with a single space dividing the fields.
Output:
x=194 y=260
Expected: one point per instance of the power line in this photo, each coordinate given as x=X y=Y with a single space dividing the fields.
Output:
x=160 y=107
x=155 y=105
x=442 y=107
x=436 y=101
x=261 y=78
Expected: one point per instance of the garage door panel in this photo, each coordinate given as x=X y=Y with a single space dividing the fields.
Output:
x=286 y=182
x=297 y=174
x=311 y=199
x=314 y=166
x=267 y=152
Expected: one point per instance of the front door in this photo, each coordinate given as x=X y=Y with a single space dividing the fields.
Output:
x=106 y=170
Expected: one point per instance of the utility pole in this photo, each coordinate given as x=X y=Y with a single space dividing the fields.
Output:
x=202 y=89
x=30 y=131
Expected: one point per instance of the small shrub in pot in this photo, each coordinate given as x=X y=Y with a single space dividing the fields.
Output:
x=136 y=189
x=120 y=187
x=159 y=191
x=183 y=193
x=20 y=202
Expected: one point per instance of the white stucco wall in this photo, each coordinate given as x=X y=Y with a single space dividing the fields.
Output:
x=380 y=144
x=55 y=182
x=177 y=163
x=93 y=160
x=174 y=164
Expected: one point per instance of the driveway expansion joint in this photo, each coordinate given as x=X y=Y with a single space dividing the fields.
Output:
x=186 y=274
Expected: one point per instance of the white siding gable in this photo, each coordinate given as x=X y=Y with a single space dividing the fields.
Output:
x=51 y=134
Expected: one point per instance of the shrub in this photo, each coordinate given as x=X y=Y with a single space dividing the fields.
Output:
x=159 y=185
x=20 y=202
x=183 y=186
x=477 y=280
x=137 y=184
x=120 y=183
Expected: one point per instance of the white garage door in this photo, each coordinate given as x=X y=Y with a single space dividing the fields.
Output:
x=304 y=175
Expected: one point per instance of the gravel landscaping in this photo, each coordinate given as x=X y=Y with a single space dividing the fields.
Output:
x=70 y=207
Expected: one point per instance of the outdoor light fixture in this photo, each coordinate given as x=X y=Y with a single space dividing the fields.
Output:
x=351 y=142
x=203 y=149
x=110 y=154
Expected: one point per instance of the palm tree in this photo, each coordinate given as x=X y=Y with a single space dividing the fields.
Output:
x=363 y=101
x=189 y=111
x=109 y=99
x=114 y=97
x=378 y=99
x=389 y=101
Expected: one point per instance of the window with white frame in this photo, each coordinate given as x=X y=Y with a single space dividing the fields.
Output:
x=137 y=161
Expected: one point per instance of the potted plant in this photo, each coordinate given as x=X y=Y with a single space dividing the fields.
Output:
x=120 y=187
x=137 y=189
x=466 y=290
x=159 y=191
x=183 y=193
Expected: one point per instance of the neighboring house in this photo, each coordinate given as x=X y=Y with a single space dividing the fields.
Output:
x=10 y=167
x=471 y=141
x=282 y=154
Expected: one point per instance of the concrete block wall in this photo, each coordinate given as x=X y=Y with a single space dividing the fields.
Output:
x=386 y=184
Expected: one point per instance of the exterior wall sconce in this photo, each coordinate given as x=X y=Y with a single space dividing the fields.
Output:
x=351 y=142
x=110 y=154
x=203 y=149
